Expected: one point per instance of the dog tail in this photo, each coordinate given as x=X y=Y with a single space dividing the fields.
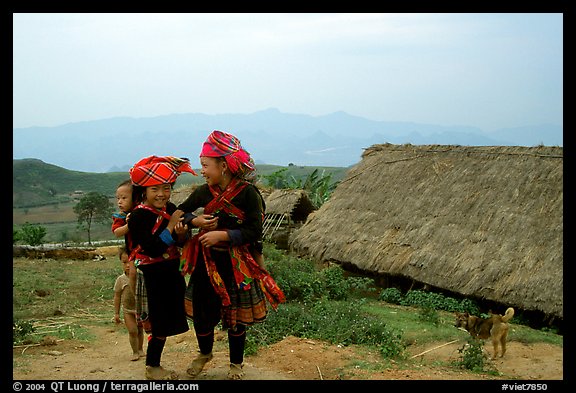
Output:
x=508 y=315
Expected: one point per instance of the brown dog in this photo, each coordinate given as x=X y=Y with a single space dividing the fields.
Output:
x=495 y=327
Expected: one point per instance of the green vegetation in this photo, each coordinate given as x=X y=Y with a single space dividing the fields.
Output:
x=45 y=194
x=62 y=298
x=32 y=234
x=318 y=185
x=36 y=183
x=93 y=208
x=472 y=356
x=428 y=301
x=21 y=330
x=323 y=303
x=337 y=322
x=29 y=234
x=296 y=173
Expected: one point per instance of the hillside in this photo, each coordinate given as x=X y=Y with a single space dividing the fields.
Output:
x=36 y=183
x=45 y=194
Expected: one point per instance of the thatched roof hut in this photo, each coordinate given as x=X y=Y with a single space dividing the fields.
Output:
x=293 y=202
x=484 y=222
x=285 y=209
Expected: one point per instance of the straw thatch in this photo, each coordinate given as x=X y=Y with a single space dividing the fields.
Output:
x=180 y=193
x=286 y=209
x=484 y=222
x=293 y=202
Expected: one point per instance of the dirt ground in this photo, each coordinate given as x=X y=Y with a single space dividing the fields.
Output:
x=107 y=357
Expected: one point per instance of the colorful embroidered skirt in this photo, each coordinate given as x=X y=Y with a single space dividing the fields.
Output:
x=204 y=306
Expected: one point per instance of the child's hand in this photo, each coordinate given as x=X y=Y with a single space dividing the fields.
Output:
x=176 y=217
x=207 y=222
x=180 y=229
x=212 y=238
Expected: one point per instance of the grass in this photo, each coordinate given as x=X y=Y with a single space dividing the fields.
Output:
x=415 y=330
x=61 y=223
x=55 y=296
x=45 y=288
x=42 y=194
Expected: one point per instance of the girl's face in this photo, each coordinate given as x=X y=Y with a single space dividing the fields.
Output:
x=212 y=170
x=124 y=198
x=158 y=196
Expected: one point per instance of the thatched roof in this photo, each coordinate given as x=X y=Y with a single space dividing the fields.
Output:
x=284 y=209
x=485 y=222
x=180 y=193
x=291 y=202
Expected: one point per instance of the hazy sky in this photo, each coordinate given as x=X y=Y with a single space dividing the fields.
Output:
x=488 y=70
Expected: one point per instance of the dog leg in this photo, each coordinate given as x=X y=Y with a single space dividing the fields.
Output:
x=495 y=345
x=503 y=339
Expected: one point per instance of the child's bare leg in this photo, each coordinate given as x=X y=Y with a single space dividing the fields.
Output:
x=141 y=352
x=133 y=334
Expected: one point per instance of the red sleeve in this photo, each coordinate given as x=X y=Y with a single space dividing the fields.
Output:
x=117 y=223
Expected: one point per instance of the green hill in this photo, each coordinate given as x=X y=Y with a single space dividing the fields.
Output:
x=36 y=183
x=44 y=194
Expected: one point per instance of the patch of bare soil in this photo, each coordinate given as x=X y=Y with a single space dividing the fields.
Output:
x=108 y=358
x=64 y=253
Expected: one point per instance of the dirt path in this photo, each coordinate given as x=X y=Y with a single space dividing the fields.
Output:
x=108 y=358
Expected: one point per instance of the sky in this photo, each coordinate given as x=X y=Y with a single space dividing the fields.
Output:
x=487 y=70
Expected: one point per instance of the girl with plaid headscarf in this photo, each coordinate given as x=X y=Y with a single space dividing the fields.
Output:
x=226 y=283
x=155 y=228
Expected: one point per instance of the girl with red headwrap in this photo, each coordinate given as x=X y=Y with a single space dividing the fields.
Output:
x=226 y=283
x=155 y=228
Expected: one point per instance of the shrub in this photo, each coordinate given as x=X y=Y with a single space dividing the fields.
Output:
x=32 y=234
x=297 y=279
x=429 y=314
x=301 y=281
x=391 y=295
x=15 y=234
x=337 y=322
x=20 y=331
x=472 y=355
x=469 y=306
x=437 y=301
x=335 y=283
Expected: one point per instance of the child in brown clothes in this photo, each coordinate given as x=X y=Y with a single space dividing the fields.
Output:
x=124 y=296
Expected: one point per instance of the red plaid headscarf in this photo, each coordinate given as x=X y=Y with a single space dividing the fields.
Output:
x=222 y=144
x=153 y=170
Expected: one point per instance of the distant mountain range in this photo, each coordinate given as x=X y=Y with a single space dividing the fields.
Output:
x=272 y=137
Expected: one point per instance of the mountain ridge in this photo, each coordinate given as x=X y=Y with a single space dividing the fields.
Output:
x=271 y=136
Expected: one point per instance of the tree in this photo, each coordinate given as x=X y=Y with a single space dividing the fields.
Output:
x=31 y=234
x=93 y=207
x=318 y=186
x=277 y=179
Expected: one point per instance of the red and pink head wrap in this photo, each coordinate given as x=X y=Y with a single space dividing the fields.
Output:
x=222 y=144
x=153 y=170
